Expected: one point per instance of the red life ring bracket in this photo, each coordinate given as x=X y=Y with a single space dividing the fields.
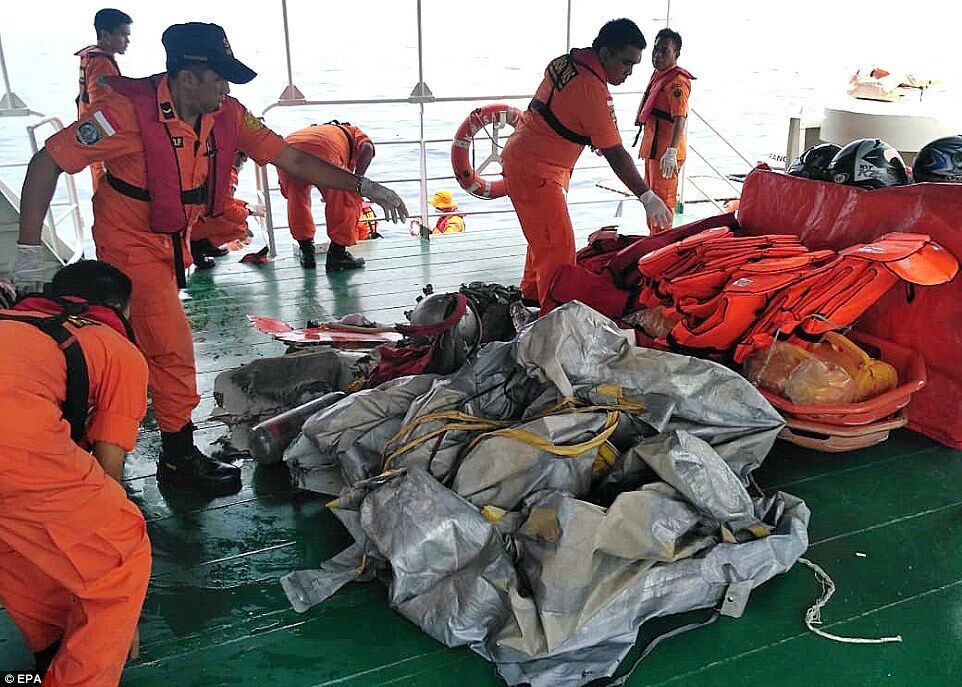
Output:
x=497 y=116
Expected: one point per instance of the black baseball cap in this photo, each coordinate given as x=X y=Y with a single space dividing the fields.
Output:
x=198 y=43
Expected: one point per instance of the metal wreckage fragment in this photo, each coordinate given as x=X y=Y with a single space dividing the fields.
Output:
x=551 y=496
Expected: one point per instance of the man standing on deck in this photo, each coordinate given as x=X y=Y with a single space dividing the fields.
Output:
x=571 y=109
x=663 y=113
x=74 y=553
x=168 y=142
x=344 y=146
x=98 y=60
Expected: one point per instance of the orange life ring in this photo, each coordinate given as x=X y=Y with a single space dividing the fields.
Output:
x=469 y=178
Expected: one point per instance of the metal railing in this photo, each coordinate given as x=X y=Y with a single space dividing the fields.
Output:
x=685 y=178
x=424 y=216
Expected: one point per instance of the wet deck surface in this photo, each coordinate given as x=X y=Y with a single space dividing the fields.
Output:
x=216 y=615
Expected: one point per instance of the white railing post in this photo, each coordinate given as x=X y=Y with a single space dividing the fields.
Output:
x=421 y=92
x=264 y=198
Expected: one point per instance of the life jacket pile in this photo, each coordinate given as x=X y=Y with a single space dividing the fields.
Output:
x=733 y=295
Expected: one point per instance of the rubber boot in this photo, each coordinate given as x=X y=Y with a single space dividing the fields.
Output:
x=338 y=259
x=308 y=257
x=183 y=464
x=200 y=254
x=43 y=658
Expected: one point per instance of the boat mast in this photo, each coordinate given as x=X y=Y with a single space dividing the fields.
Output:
x=10 y=104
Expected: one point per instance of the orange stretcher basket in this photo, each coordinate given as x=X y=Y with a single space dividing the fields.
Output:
x=826 y=438
x=911 y=369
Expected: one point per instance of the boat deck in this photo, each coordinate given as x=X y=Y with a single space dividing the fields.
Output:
x=885 y=525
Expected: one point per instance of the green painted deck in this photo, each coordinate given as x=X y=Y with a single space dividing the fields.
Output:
x=216 y=615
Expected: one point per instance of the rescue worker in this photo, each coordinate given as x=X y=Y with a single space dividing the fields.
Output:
x=662 y=114
x=452 y=221
x=571 y=109
x=344 y=146
x=210 y=234
x=74 y=553
x=99 y=60
x=185 y=128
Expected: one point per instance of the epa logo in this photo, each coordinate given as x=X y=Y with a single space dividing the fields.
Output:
x=31 y=678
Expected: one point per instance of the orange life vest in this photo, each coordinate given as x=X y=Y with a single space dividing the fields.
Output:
x=441 y=227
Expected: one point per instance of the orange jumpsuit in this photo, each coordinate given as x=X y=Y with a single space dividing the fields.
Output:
x=537 y=165
x=92 y=68
x=230 y=226
x=74 y=553
x=341 y=208
x=123 y=238
x=673 y=99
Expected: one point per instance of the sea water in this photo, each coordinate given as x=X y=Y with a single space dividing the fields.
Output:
x=757 y=63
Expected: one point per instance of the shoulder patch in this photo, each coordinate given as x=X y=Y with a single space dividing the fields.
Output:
x=252 y=122
x=561 y=70
x=611 y=111
x=95 y=128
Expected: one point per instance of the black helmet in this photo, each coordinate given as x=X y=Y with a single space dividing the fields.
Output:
x=868 y=163
x=452 y=347
x=812 y=163
x=940 y=160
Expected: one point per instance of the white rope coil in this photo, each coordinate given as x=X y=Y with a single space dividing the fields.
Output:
x=813 y=616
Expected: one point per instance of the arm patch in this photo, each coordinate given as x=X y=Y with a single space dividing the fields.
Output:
x=95 y=128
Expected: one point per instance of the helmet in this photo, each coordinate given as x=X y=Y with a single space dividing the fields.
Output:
x=940 y=160
x=812 y=163
x=867 y=163
x=437 y=307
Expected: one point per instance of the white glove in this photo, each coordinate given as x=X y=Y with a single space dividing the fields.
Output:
x=669 y=163
x=258 y=210
x=656 y=209
x=28 y=271
x=389 y=201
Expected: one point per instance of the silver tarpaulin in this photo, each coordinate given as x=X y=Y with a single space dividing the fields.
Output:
x=543 y=502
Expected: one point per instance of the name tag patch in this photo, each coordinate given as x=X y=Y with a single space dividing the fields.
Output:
x=177 y=141
x=94 y=128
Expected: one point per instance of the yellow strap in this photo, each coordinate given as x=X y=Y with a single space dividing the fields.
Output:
x=567 y=450
x=493 y=513
x=459 y=421
x=607 y=456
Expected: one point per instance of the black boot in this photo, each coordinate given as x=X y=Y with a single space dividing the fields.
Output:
x=308 y=257
x=198 y=251
x=182 y=463
x=44 y=657
x=339 y=259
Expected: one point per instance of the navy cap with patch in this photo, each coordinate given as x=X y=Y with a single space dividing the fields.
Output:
x=206 y=44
